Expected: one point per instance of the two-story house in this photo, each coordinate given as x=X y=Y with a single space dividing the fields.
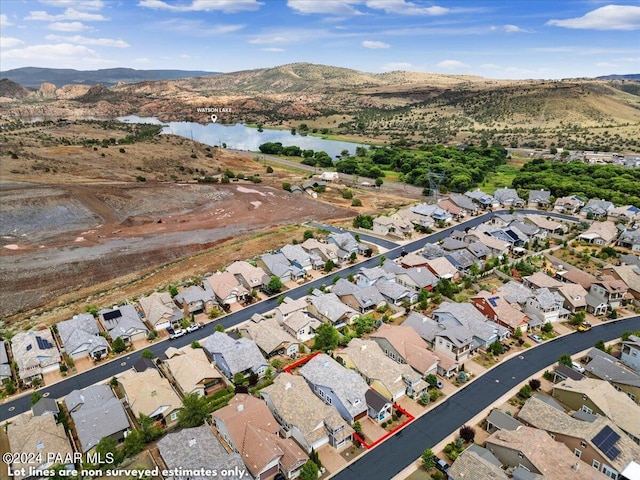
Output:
x=233 y=356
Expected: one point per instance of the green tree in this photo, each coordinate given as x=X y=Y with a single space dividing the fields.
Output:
x=146 y=353
x=133 y=444
x=119 y=345
x=431 y=379
x=194 y=410
x=383 y=258
x=219 y=328
x=107 y=449
x=565 y=359
x=326 y=337
x=379 y=182
x=307 y=234
x=428 y=459
x=600 y=345
x=309 y=471
x=356 y=202
x=149 y=428
x=330 y=265
x=547 y=327
x=275 y=285
x=173 y=290
x=517 y=333
x=424 y=399
x=496 y=348
x=9 y=386
x=238 y=378
x=35 y=398
x=353 y=257
x=269 y=169
x=525 y=392
x=357 y=427
x=578 y=317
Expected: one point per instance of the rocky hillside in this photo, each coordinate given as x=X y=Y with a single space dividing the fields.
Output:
x=11 y=90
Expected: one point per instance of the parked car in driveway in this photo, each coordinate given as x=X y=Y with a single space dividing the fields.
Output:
x=442 y=465
x=536 y=338
x=177 y=334
x=577 y=367
x=584 y=327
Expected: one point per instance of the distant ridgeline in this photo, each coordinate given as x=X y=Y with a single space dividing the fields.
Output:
x=617 y=184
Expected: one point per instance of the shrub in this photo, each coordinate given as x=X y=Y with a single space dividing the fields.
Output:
x=525 y=392
x=535 y=384
x=467 y=433
x=356 y=202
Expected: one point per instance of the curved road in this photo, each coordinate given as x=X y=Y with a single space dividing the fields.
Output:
x=117 y=366
x=394 y=454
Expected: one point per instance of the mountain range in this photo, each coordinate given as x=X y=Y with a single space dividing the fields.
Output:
x=33 y=77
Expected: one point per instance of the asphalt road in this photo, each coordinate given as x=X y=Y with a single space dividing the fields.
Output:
x=403 y=448
x=115 y=367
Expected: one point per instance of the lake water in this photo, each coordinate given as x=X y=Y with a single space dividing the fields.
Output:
x=241 y=137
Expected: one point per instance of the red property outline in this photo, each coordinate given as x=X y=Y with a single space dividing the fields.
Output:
x=410 y=418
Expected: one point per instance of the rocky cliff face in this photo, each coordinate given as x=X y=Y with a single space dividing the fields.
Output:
x=47 y=90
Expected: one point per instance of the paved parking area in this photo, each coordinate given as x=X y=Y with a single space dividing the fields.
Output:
x=331 y=458
x=372 y=431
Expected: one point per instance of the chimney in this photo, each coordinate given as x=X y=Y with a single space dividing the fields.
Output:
x=576 y=466
x=240 y=407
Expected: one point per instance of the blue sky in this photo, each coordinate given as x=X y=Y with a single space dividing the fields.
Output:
x=492 y=38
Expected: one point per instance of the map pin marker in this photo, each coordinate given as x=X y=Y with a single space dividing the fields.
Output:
x=214 y=118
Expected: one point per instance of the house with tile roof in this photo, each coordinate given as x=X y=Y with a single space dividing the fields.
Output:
x=597 y=208
x=575 y=297
x=548 y=224
x=595 y=396
x=326 y=251
x=416 y=279
x=35 y=353
x=301 y=325
x=600 y=233
x=477 y=463
x=396 y=294
x=413 y=260
x=81 y=337
x=96 y=414
x=5 y=368
x=198 y=448
x=249 y=276
x=546 y=306
x=508 y=197
x=568 y=204
x=629 y=274
x=150 y=394
x=452 y=209
x=630 y=354
x=289 y=307
x=363 y=300
x=271 y=338
x=39 y=439
x=575 y=275
x=630 y=239
x=443 y=269
x=303 y=416
x=123 y=322
x=538 y=453
x=160 y=311
x=541 y=280
x=192 y=371
x=605 y=367
x=233 y=356
x=195 y=299
x=484 y=200
x=390 y=379
x=277 y=265
x=337 y=386
x=327 y=307
x=347 y=242
x=596 y=441
x=403 y=345
x=497 y=308
x=299 y=257
x=393 y=227
x=249 y=428
x=539 y=198
x=226 y=288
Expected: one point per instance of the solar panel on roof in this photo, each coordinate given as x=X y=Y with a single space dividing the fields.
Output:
x=605 y=440
x=492 y=301
x=111 y=315
x=43 y=343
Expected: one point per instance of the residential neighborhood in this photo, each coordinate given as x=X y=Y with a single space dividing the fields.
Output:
x=321 y=377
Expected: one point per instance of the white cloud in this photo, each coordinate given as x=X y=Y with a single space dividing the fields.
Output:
x=606 y=65
x=373 y=44
x=610 y=17
x=50 y=53
x=68 y=14
x=10 y=42
x=67 y=26
x=294 y=35
x=402 y=7
x=334 y=7
x=272 y=49
x=515 y=29
x=101 y=42
x=452 y=65
x=4 y=21
x=226 y=6
x=81 y=4
x=196 y=28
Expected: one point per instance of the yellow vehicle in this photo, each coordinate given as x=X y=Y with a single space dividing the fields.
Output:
x=584 y=327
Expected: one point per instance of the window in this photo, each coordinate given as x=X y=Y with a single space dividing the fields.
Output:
x=577 y=453
x=328 y=399
x=609 y=472
x=553 y=437
x=586 y=409
x=174 y=416
x=631 y=396
x=596 y=464
x=583 y=444
x=520 y=455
